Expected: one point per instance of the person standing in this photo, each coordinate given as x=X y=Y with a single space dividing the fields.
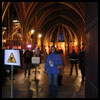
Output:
x=82 y=63
x=73 y=60
x=61 y=68
x=51 y=68
x=45 y=54
x=27 y=60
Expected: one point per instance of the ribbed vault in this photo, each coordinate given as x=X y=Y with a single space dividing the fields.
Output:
x=47 y=17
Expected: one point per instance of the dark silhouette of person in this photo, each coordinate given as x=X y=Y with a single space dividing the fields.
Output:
x=82 y=63
x=45 y=54
x=27 y=59
x=73 y=61
x=61 y=68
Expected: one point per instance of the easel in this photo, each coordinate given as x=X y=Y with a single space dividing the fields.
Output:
x=35 y=79
x=35 y=62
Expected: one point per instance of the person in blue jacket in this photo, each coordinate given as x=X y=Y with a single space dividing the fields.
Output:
x=51 y=68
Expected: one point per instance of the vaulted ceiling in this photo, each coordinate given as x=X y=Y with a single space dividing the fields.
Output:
x=46 y=17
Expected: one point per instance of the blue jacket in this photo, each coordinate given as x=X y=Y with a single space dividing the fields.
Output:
x=56 y=61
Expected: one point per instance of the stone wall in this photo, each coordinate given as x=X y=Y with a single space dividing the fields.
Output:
x=91 y=50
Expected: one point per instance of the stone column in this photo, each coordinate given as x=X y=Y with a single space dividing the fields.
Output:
x=79 y=44
x=68 y=42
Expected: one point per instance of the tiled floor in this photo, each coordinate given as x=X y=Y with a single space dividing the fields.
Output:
x=28 y=88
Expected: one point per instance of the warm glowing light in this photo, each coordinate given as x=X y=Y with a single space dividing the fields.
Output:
x=75 y=43
x=4 y=41
x=15 y=21
x=47 y=49
x=33 y=50
x=74 y=40
x=19 y=47
x=39 y=36
x=32 y=31
x=4 y=28
x=29 y=46
x=61 y=45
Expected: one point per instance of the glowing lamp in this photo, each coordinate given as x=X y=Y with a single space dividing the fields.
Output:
x=4 y=28
x=15 y=21
x=39 y=36
x=4 y=41
x=29 y=46
x=33 y=50
x=32 y=31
